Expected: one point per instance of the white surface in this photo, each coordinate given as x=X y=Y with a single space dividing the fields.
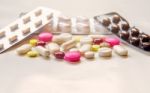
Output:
x=115 y=75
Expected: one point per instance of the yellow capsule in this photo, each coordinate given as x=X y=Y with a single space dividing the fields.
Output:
x=77 y=38
x=32 y=54
x=33 y=42
x=95 y=48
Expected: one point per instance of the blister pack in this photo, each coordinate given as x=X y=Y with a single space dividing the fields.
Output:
x=119 y=26
x=26 y=26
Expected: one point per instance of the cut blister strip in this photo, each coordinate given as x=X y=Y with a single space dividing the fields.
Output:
x=25 y=26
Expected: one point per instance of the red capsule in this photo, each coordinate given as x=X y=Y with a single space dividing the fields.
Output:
x=97 y=41
x=41 y=43
x=59 y=55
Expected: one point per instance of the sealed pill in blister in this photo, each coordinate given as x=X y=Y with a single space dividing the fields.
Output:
x=79 y=25
x=121 y=28
x=25 y=26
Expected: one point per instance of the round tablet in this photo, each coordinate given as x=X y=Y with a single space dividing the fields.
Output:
x=45 y=36
x=59 y=55
x=112 y=41
x=72 y=56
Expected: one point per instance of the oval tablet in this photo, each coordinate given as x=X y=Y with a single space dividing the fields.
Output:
x=105 y=52
x=120 y=50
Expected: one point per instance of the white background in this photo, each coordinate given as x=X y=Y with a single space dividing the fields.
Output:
x=114 y=75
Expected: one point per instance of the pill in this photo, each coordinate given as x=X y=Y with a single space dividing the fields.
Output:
x=42 y=51
x=38 y=12
x=66 y=36
x=32 y=54
x=97 y=36
x=13 y=39
x=14 y=27
x=104 y=44
x=26 y=20
x=45 y=36
x=86 y=40
x=62 y=38
x=33 y=42
x=26 y=31
x=38 y=23
x=23 y=49
x=64 y=27
x=53 y=47
x=49 y=16
x=95 y=48
x=82 y=19
x=120 y=50
x=41 y=43
x=77 y=38
x=74 y=49
x=84 y=48
x=1 y=46
x=72 y=56
x=69 y=44
x=97 y=41
x=105 y=52
x=64 y=19
x=2 y=34
x=83 y=28
x=59 y=55
x=89 y=55
x=112 y=41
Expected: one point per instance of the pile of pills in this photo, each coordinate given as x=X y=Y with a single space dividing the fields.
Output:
x=71 y=48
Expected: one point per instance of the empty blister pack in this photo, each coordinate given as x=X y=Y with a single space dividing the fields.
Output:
x=121 y=28
x=25 y=26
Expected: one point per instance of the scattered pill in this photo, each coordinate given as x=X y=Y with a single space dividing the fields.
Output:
x=97 y=41
x=95 y=48
x=59 y=55
x=104 y=44
x=72 y=56
x=97 y=36
x=120 y=50
x=32 y=54
x=89 y=55
x=41 y=43
x=69 y=44
x=33 y=42
x=53 y=47
x=45 y=36
x=74 y=49
x=105 y=52
x=24 y=49
x=112 y=41
x=86 y=40
x=42 y=51
x=77 y=38
x=84 y=48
